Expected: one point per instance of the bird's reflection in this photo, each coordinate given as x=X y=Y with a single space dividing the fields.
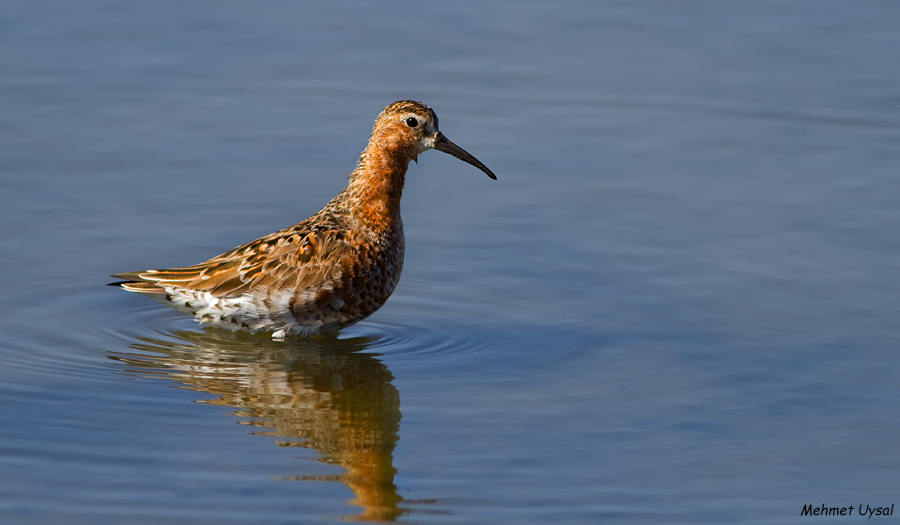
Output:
x=323 y=394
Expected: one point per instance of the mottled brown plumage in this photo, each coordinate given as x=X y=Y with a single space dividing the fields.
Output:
x=327 y=272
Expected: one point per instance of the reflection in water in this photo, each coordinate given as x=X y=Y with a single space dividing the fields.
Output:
x=320 y=394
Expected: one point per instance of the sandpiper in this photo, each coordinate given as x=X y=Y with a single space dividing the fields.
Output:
x=324 y=273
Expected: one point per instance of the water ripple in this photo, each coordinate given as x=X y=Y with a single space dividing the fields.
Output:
x=424 y=343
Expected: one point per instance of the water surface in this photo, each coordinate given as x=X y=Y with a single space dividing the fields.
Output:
x=677 y=304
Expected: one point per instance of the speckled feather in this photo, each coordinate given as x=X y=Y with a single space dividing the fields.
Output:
x=326 y=272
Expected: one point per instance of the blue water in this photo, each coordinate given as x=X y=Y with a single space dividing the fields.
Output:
x=677 y=304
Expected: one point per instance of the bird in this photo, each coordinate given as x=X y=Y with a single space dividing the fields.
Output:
x=324 y=273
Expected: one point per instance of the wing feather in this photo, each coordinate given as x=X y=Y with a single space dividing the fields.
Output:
x=308 y=254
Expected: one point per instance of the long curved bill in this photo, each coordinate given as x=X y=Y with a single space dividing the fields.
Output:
x=442 y=143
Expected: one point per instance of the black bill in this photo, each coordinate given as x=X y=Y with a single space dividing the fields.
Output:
x=441 y=143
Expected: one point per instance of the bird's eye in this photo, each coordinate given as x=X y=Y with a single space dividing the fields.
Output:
x=411 y=122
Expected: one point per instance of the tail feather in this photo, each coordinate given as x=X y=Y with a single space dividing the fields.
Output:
x=133 y=282
x=127 y=276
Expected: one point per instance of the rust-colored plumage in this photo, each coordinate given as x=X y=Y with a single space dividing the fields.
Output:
x=326 y=272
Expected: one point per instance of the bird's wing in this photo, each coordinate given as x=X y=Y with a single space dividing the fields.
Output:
x=302 y=256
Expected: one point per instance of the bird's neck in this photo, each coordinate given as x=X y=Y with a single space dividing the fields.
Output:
x=376 y=186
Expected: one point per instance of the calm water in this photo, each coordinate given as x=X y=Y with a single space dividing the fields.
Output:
x=678 y=303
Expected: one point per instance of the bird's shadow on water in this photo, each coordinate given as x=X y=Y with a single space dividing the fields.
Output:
x=326 y=394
